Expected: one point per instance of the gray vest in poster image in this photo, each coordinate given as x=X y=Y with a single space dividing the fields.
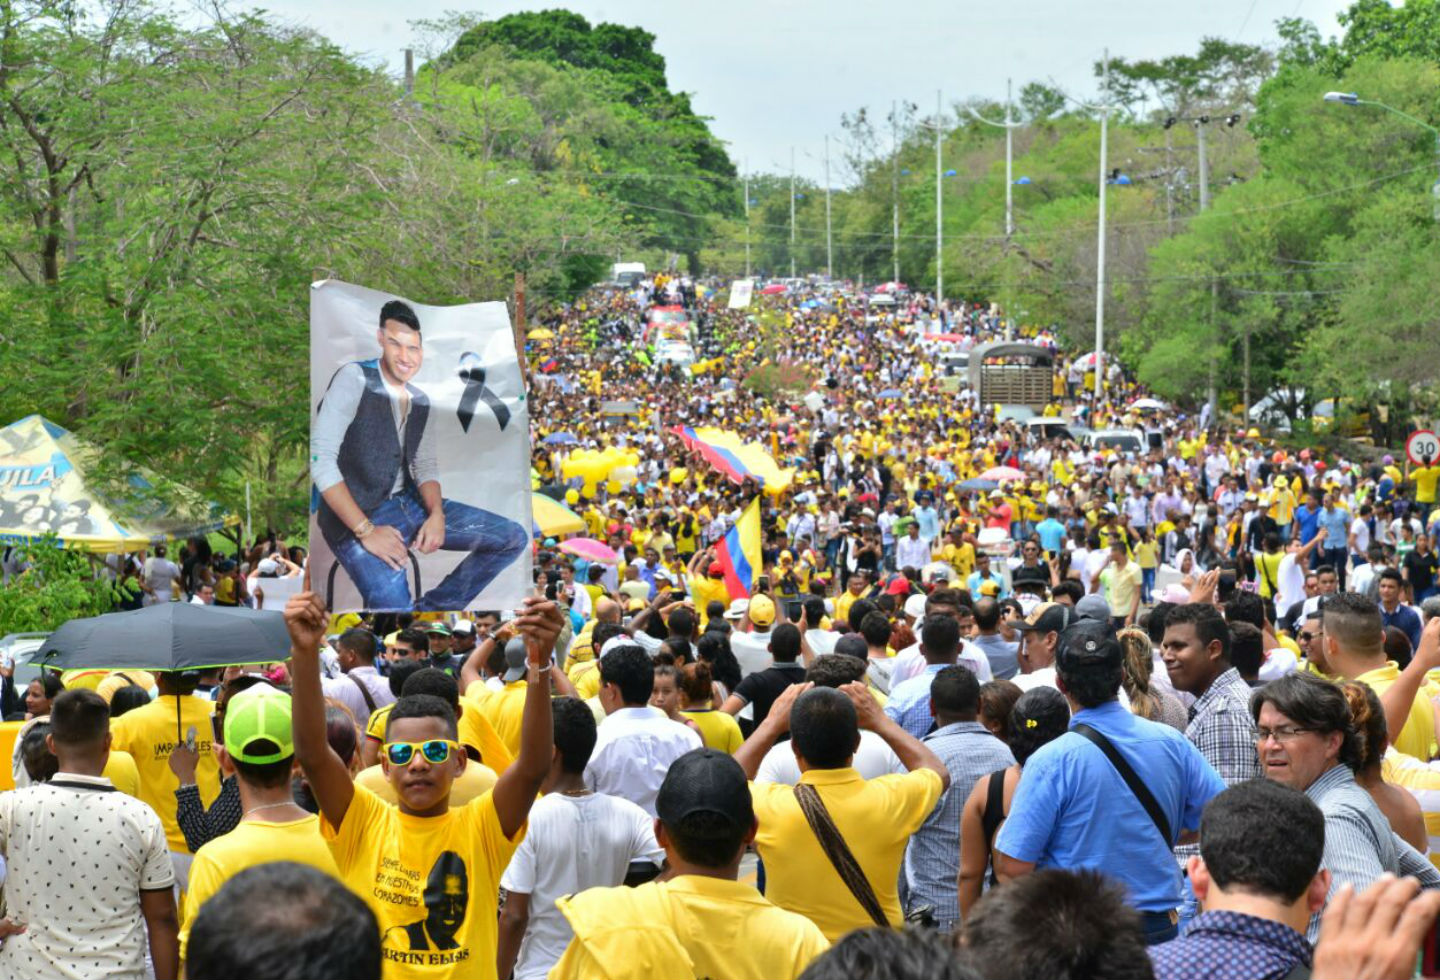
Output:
x=371 y=454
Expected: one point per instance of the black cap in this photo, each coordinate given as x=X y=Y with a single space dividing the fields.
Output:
x=1052 y=617
x=705 y=781
x=1088 y=644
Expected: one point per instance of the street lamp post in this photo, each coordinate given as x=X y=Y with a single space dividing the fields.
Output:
x=1352 y=99
x=829 y=246
x=1100 y=238
x=1009 y=128
x=792 y=212
x=939 y=211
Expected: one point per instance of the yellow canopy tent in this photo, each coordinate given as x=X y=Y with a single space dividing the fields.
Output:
x=43 y=490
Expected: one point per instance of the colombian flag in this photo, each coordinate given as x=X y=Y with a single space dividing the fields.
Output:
x=739 y=552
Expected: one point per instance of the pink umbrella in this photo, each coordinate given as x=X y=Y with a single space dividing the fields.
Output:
x=772 y=289
x=590 y=549
x=1000 y=474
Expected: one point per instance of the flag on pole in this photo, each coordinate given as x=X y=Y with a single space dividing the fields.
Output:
x=739 y=552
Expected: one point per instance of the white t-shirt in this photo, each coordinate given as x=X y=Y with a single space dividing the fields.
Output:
x=752 y=651
x=910 y=662
x=1045 y=677
x=1361 y=530
x=160 y=575
x=1290 y=584
x=573 y=843
x=873 y=758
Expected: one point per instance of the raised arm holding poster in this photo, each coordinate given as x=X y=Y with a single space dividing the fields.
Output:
x=419 y=417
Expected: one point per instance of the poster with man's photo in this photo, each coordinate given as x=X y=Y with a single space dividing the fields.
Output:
x=419 y=454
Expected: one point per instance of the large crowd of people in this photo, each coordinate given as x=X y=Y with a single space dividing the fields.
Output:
x=1154 y=709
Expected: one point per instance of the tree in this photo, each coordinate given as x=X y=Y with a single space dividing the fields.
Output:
x=58 y=585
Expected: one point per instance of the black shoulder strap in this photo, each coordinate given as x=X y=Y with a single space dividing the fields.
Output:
x=841 y=858
x=1141 y=791
x=1298 y=972
x=364 y=692
x=994 y=805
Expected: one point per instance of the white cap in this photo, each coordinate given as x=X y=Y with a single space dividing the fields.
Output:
x=915 y=606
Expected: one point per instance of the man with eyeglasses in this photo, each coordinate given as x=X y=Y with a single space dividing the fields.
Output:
x=1307 y=740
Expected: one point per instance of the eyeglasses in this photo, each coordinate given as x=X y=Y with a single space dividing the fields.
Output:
x=1281 y=735
x=1304 y=637
x=435 y=751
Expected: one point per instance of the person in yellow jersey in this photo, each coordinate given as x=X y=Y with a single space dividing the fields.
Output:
x=717 y=729
x=824 y=726
x=504 y=709
x=259 y=751
x=477 y=776
x=431 y=874
x=1354 y=647
x=701 y=921
x=151 y=733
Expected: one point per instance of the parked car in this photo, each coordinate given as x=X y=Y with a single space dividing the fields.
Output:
x=1049 y=428
x=1121 y=440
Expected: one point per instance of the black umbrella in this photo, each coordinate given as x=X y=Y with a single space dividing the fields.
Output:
x=170 y=636
x=167 y=637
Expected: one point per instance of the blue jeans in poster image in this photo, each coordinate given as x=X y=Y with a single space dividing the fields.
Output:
x=493 y=542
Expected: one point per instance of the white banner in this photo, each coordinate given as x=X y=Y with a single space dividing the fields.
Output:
x=419 y=454
x=742 y=291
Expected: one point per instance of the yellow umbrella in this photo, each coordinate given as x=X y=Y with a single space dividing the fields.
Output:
x=553 y=518
x=540 y=333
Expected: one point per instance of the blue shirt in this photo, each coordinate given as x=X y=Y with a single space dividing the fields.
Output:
x=1308 y=522
x=909 y=704
x=929 y=522
x=1404 y=618
x=1073 y=810
x=1223 y=945
x=1336 y=523
x=1052 y=535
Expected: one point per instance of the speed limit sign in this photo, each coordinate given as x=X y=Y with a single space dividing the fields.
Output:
x=1422 y=447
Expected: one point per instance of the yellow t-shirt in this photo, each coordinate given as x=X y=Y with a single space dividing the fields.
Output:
x=1147 y=555
x=1417 y=738
x=704 y=590
x=474 y=781
x=1267 y=569
x=252 y=842
x=1423 y=783
x=503 y=710
x=718 y=730
x=150 y=733
x=122 y=772
x=961 y=557
x=586 y=678
x=843 y=602
x=692 y=926
x=432 y=882
x=1425 y=479
x=799 y=876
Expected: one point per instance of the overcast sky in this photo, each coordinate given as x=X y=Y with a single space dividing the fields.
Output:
x=777 y=73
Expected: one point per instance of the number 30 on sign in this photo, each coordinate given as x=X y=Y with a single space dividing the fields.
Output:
x=1422 y=447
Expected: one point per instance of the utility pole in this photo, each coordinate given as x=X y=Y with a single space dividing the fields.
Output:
x=1100 y=243
x=895 y=191
x=829 y=244
x=792 y=212
x=747 y=222
x=939 y=212
x=1009 y=167
x=409 y=75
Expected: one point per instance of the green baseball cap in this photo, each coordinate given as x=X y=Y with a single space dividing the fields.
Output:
x=257 y=726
